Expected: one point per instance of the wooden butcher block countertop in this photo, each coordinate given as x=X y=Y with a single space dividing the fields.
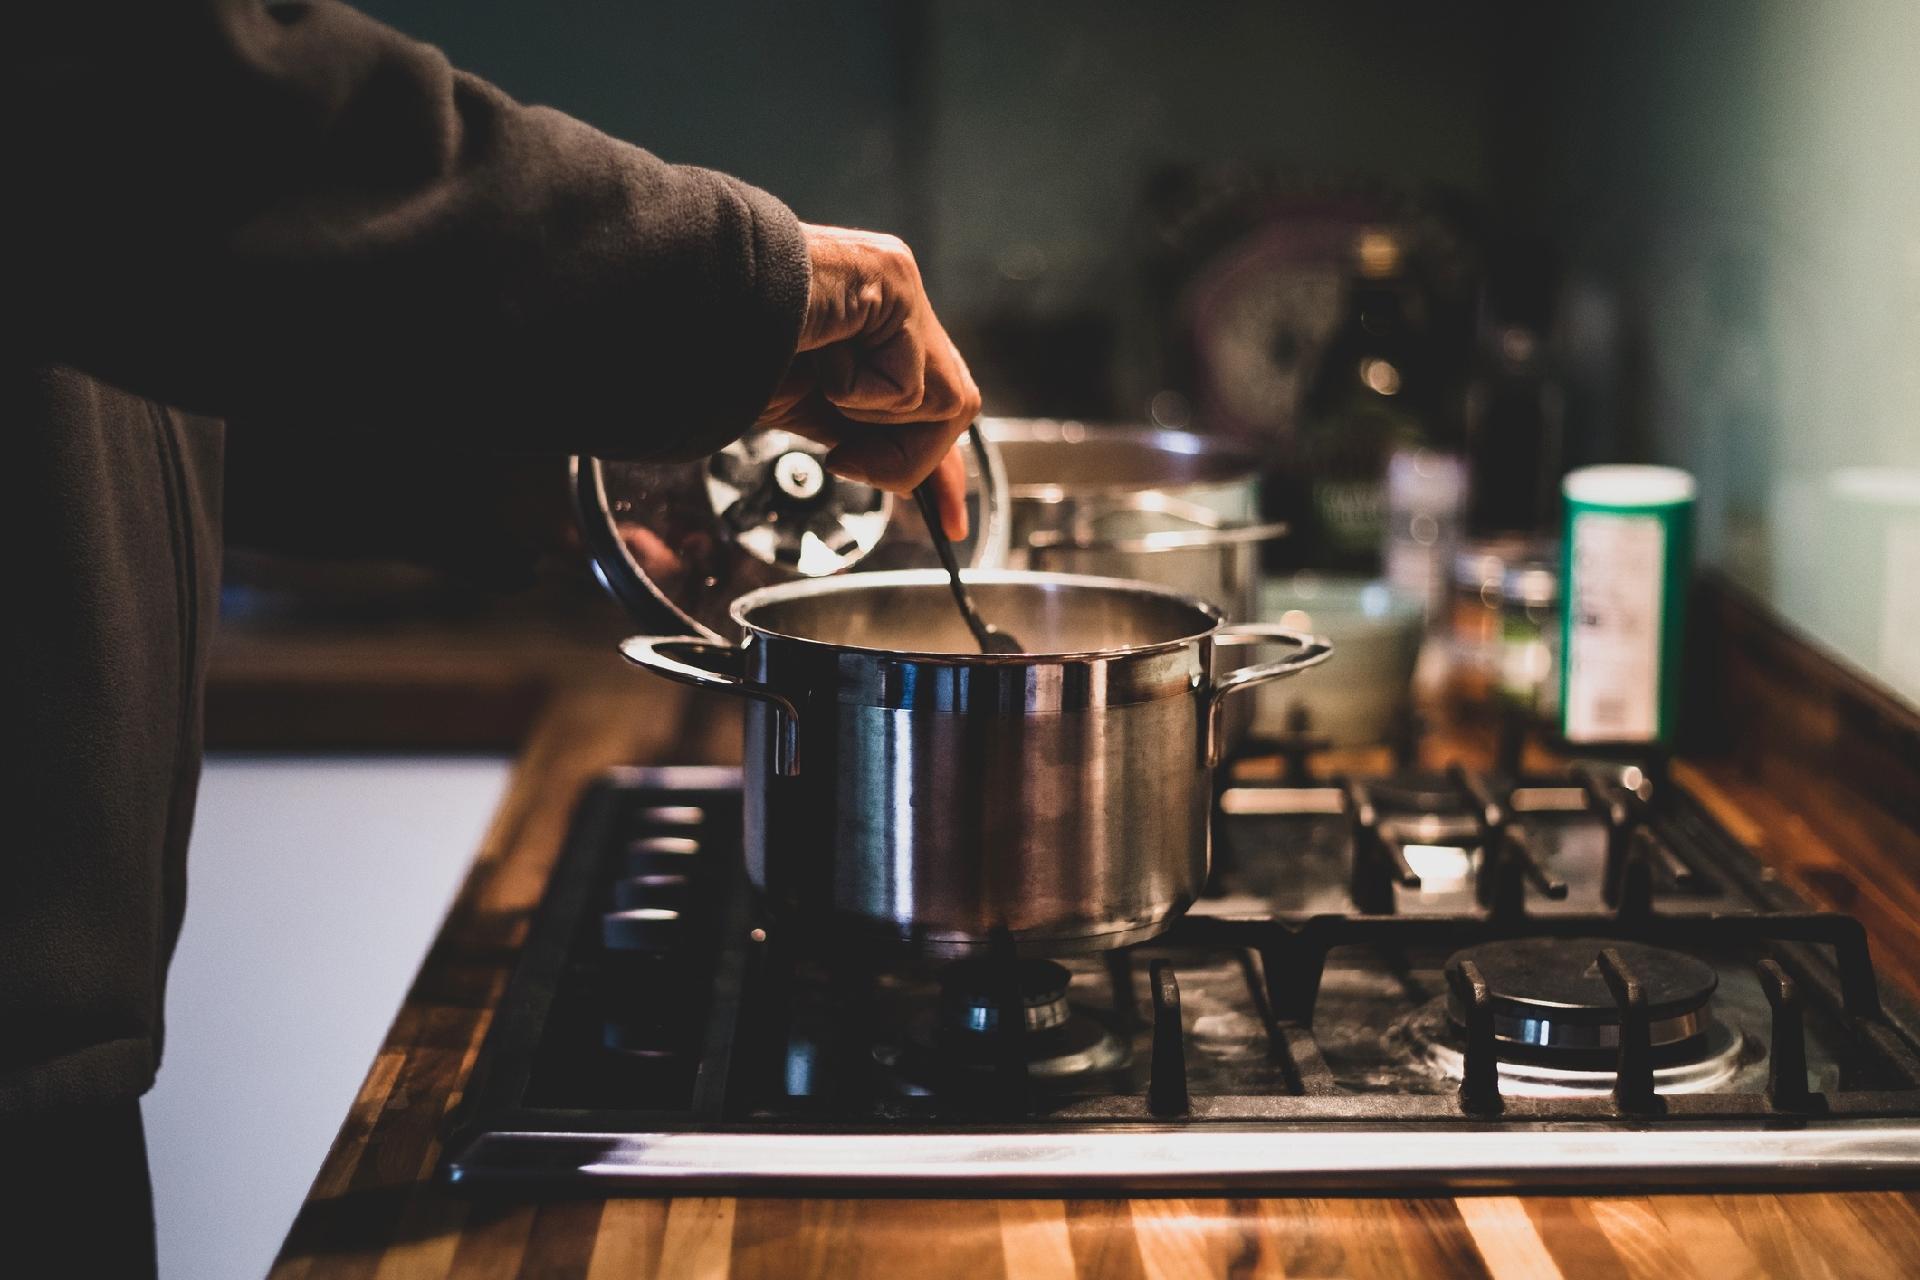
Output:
x=377 y=1210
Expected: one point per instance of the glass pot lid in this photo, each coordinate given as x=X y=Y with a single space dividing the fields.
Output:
x=678 y=542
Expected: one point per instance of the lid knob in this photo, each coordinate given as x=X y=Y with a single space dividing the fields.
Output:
x=799 y=475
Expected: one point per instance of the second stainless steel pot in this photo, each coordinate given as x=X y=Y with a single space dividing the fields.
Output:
x=1135 y=502
x=902 y=785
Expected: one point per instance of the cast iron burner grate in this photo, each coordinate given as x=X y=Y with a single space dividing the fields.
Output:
x=694 y=1045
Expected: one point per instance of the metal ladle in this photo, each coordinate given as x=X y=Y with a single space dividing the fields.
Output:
x=990 y=638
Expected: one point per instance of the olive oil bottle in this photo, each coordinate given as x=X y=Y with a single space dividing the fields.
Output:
x=1368 y=400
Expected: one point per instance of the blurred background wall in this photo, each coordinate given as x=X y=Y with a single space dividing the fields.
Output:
x=1727 y=194
x=1015 y=146
x=1708 y=211
x=1736 y=187
x=318 y=885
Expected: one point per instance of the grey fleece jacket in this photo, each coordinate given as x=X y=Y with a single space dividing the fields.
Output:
x=294 y=225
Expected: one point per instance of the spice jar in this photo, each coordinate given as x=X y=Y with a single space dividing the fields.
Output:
x=1479 y=576
x=1529 y=661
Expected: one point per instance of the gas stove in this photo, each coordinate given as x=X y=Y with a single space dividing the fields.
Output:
x=1419 y=981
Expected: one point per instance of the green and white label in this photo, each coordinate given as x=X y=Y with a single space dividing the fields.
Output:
x=1614 y=633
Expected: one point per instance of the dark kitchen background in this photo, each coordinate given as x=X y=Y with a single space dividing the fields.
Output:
x=1678 y=231
x=1708 y=214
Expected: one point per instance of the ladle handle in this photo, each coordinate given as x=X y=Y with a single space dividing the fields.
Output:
x=652 y=653
x=943 y=547
x=1309 y=651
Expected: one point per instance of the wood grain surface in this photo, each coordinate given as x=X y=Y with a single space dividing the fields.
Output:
x=375 y=1210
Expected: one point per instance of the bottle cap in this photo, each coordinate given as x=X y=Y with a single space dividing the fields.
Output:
x=1629 y=486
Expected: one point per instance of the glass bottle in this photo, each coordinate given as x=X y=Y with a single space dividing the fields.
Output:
x=1365 y=403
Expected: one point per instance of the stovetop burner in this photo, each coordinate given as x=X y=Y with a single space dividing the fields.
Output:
x=1556 y=1022
x=1719 y=1059
x=963 y=1046
x=1552 y=1004
x=971 y=993
x=1460 y=979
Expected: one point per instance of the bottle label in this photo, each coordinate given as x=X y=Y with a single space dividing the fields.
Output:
x=1526 y=667
x=1418 y=570
x=1614 y=627
x=1353 y=513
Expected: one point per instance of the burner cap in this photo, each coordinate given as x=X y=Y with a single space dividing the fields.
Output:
x=954 y=1048
x=1548 y=993
x=971 y=992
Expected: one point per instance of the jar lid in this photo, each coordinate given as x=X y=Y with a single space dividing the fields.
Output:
x=1625 y=485
x=677 y=542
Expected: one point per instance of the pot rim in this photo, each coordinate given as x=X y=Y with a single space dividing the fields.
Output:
x=857 y=582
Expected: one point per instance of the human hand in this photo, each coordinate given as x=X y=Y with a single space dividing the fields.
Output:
x=877 y=379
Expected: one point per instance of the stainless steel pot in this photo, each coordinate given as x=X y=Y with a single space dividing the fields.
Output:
x=1056 y=461
x=1153 y=538
x=1135 y=502
x=906 y=786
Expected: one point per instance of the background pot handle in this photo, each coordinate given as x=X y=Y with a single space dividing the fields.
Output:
x=653 y=653
x=1309 y=651
x=1044 y=540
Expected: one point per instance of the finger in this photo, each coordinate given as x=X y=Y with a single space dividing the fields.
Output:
x=966 y=390
x=850 y=459
x=949 y=393
x=890 y=457
x=795 y=388
x=884 y=376
x=954 y=375
x=817 y=420
x=950 y=488
x=945 y=399
x=894 y=458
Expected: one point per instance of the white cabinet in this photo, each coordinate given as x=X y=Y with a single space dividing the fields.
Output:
x=314 y=887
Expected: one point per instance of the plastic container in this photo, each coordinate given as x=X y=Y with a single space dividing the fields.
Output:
x=1474 y=616
x=1626 y=560
x=1530 y=637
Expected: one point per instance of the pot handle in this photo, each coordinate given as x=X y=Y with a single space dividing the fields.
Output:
x=1310 y=651
x=654 y=653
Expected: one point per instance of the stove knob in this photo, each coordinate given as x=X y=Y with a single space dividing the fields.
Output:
x=662 y=890
x=673 y=815
x=662 y=855
x=650 y=929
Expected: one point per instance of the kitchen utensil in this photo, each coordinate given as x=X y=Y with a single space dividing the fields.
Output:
x=1151 y=537
x=675 y=542
x=1626 y=565
x=905 y=788
x=1071 y=466
x=990 y=638
x=1135 y=502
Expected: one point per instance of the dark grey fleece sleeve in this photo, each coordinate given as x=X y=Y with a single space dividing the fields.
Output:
x=298 y=219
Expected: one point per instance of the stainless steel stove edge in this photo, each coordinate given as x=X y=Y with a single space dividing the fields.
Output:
x=1343 y=1158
